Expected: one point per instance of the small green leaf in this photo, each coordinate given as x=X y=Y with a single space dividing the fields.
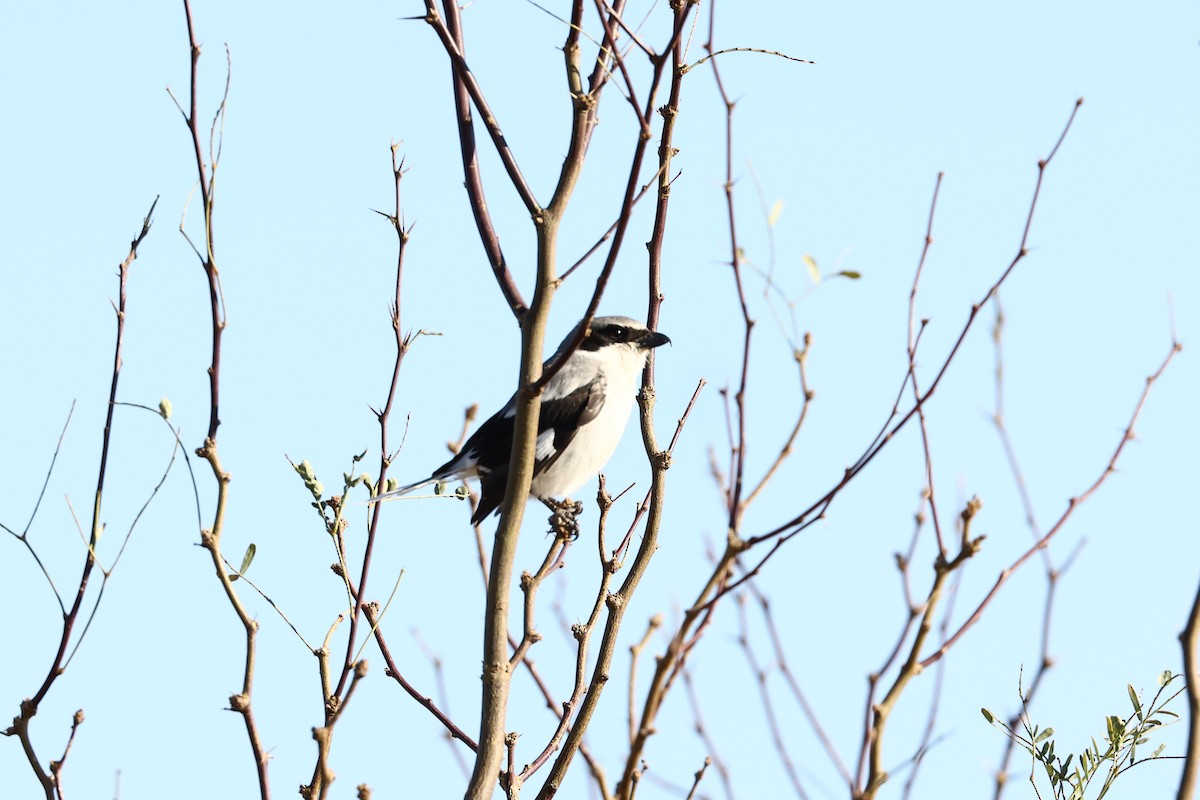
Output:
x=988 y=715
x=852 y=274
x=246 y=559
x=1046 y=734
x=1133 y=698
x=814 y=272
x=1166 y=677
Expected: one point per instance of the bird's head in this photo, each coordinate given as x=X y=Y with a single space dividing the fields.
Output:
x=610 y=331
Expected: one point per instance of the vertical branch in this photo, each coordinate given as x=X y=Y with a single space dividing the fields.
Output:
x=210 y=538
x=497 y=667
x=618 y=603
x=666 y=152
x=912 y=666
x=913 y=338
x=403 y=342
x=737 y=471
x=794 y=685
x=29 y=707
x=1053 y=573
x=450 y=32
x=760 y=675
x=671 y=54
x=1190 y=641
x=335 y=699
x=497 y=671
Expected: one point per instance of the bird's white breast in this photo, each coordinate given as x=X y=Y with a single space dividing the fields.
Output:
x=594 y=443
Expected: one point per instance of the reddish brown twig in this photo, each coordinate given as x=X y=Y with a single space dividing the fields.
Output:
x=50 y=777
x=439 y=678
x=764 y=694
x=383 y=416
x=1072 y=504
x=701 y=729
x=371 y=612
x=913 y=337
x=738 y=445
x=450 y=32
x=1053 y=572
x=352 y=668
x=785 y=669
x=816 y=510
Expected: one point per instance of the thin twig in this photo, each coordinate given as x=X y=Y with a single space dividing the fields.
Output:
x=764 y=694
x=1072 y=504
x=371 y=612
x=701 y=730
x=210 y=538
x=1052 y=572
x=913 y=337
x=816 y=510
x=451 y=34
x=29 y=706
x=618 y=602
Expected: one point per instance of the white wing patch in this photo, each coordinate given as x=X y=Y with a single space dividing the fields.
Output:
x=545 y=445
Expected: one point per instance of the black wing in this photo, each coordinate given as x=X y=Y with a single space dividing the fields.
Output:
x=491 y=445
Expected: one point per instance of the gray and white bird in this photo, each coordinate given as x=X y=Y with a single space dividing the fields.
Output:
x=585 y=407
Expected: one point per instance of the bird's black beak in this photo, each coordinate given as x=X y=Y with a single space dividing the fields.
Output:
x=651 y=339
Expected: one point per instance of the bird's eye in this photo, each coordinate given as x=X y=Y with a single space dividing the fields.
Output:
x=618 y=333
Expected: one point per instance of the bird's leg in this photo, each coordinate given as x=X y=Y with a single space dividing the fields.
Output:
x=563 y=517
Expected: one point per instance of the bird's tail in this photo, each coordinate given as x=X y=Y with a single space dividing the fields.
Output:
x=412 y=487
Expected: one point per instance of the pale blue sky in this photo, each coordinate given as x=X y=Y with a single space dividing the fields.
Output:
x=851 y=146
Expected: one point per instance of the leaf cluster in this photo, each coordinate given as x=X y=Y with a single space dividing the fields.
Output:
x=1102 y=763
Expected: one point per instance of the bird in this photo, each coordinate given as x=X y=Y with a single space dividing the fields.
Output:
x=585 y=408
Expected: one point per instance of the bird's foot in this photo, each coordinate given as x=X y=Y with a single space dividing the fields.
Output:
x=564 y=523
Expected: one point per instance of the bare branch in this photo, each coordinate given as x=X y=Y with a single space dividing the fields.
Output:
x=1072 y=504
